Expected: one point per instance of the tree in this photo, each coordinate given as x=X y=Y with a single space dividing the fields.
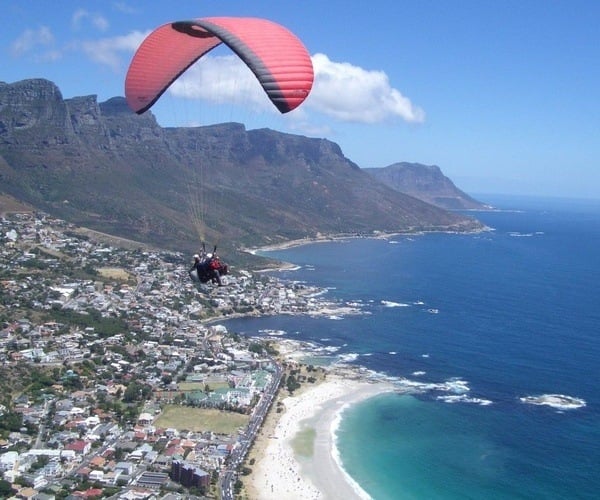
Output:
x=256 y=348
x=40 y=462
x=11 y=422
x=6 y=490
x=237 y=486
x=292 y=384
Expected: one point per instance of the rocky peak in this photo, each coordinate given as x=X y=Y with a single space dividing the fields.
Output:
x=33 y=104
x=427 y=183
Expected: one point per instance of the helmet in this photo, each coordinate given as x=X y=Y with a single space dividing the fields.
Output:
x=196 y=256
x=209 y=255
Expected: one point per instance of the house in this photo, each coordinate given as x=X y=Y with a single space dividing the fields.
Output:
x=8 y=460
x=96 y=475
x=163 y=461
x=89 y=493
x=98 y=462
x=111 y=477
x=125 y=467
x=154 y=480
x=80 y=447
x=145 y=419
x=138 y=493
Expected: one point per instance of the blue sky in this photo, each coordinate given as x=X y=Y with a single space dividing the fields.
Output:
x=502 y=95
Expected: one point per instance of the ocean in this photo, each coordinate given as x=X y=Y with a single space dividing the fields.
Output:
x=493 y=340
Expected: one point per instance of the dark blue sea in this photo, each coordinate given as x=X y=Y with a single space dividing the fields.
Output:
x=497 y=335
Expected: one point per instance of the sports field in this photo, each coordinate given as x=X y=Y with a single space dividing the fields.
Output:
x=201 y=419
x=115 y=273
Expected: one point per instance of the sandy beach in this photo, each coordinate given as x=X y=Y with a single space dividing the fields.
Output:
x=296 y=454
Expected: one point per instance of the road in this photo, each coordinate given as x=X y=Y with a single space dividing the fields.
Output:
x=229 y=475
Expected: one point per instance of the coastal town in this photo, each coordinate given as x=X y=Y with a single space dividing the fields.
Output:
x=117 y=379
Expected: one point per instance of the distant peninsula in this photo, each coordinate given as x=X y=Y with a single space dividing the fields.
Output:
x=427 y=183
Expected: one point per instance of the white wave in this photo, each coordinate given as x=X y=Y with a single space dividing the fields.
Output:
x=412 y=386
x=329 y=349
x=389 y=303
x=418 y=373
x=335 y=317
x=291 y=268
x=433 y=311
x=456 y=385
x=273 y=333
x=393 y=242
x=348 y=358
x=355 y=303
x=367 y=354
x=517 y=234
x=419 y=303
x=558 y=401
x=424 y=355
x=463 y=398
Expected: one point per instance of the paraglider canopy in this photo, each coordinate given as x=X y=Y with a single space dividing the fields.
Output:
x=276 y=56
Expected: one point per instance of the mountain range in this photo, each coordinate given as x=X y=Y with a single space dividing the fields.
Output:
x=101 y=166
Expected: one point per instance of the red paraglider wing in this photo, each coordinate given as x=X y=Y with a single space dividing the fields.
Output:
x=160 y=59
x=276 y=56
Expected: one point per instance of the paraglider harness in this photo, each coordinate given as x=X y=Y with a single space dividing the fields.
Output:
x=208 y=267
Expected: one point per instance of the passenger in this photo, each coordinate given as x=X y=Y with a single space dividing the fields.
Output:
x=205 y=270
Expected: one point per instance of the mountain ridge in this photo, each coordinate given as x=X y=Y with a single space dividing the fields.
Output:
x=101 y=166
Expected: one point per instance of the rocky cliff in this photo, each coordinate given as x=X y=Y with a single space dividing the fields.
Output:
x=426 y=182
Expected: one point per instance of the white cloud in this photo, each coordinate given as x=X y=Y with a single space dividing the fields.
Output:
x=82 y=16
x=124 y=8
x=107 y=51
x=30 y=40
x=353 y=94
x=341 y=90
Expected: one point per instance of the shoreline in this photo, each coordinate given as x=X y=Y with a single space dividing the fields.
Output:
x=295 y=453
x=378 y=235
x=331 y=238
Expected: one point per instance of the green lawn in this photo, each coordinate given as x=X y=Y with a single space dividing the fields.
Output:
x=200 y=419
x=199 y=386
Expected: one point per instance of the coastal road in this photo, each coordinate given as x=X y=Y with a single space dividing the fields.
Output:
x=229 y=475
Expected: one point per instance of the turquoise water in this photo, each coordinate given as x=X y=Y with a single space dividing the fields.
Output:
x=473 y=325
x=410 y=448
